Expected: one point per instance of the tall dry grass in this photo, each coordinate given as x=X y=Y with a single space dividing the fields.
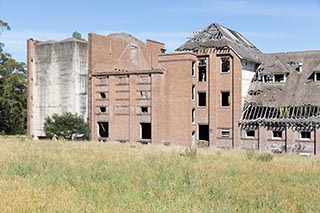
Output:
x=48 y=176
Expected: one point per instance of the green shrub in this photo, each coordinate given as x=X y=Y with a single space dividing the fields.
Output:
x=68 y=126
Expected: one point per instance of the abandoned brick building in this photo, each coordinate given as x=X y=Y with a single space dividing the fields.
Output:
x=217 y=89
x=57 y=81
x=141 y=94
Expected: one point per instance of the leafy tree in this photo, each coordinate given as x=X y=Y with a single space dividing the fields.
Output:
x=4 y=26
x=68 y=126
x=13 y=92
x=77 y=35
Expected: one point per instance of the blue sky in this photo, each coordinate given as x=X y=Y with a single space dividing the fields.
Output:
x=273 y=25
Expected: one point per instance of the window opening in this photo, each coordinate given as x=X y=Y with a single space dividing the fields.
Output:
x=193 y=71
x=145 y=130
x=305 y=135
x=268 y=78
x=225 y=133
x=201 y=99
x=144 y=109
x=103 y=95
x=193 y=92
x=279 y=78
x=225 y=64
x=250 y=133
x=103 y=129
x=276 y=134
x=203 y=132
x=225 y=98
x=193 y=115
x=144 y=94
x=202 y=68
x=193 y=138
x=103 y=109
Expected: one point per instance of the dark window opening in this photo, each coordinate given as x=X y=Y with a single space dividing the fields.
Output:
x=277 y=134
x=268 y=78
x=202 y=68
x=279 y=78
x=203 y=132
x=144 y=109
x=193 y=72
x=193 y=115
x=145 y=130
x=225 y=98
x=103 y=129
x=193 y=92
x=305 y=135
x=201 y=99
x=251 y=133
x=103 y=109
x=225 y=64
x=103 y=95
x=317 y=76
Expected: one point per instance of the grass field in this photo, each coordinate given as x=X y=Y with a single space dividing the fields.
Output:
x=49 y=176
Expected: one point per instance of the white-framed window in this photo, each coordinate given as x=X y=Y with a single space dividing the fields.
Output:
x=272 y=78
x=225 y=133
x=305 y=135
x=250 y=133
x=276 y=134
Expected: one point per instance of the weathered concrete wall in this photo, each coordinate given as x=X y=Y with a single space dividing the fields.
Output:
x=58 y=77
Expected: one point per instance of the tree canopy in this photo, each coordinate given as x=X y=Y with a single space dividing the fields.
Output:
x=77 y=35
x=13 y=92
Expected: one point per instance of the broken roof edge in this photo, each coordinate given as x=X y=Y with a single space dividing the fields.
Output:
x=255 y=60
x=293 y=52
x=70 y=39
x=123 y=36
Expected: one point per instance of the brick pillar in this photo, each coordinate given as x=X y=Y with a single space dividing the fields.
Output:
x=262 y=139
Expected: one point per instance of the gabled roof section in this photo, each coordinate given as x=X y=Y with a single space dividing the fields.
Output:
x=218 y=36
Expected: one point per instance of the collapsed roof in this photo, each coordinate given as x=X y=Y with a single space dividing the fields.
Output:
x=293 y=102
x=218 y=36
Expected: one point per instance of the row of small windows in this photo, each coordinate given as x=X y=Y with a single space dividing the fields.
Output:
x=272 y=78
x=202 y=99
x=202 y=68
x=278 y=134
x=145 y=130
x=143 y=94
x=143 y=109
